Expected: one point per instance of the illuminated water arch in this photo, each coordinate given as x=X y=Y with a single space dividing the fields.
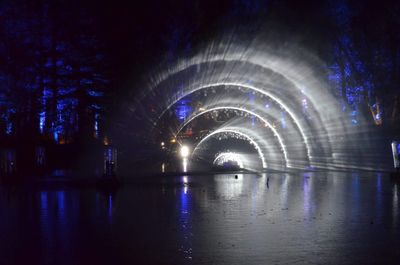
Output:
x=276 y=134
x=244 y=135
x=233 y=65
x=293 y=74
x=220 y=76
x=230 y=156
x=263 y=58
x=271 y=96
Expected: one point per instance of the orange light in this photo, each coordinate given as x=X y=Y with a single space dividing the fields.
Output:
x=105 y=140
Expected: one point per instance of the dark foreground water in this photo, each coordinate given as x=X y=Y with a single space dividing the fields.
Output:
x=319 y=218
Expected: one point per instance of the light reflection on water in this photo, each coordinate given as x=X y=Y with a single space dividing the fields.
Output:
x=185 y=231
x=222 y=219
x=395 y=205
x=227 y=186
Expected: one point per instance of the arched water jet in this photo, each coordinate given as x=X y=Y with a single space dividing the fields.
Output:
x=267 y=124
x=293 y=116
x=279 y=76
x=233 y=131
x=221 y=158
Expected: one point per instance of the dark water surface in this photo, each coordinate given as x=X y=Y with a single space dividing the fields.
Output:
x=318 y=218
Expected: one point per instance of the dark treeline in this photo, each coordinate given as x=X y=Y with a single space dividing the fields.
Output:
x=54 y=76
x=65 y=66
x=53 y=72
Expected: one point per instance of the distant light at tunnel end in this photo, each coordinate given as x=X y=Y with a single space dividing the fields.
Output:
x=184 y=151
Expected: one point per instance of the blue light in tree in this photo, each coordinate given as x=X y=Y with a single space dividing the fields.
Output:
x=183 y=109
x=9 y=123
x=96 y=125
x=350 y=76
x=94 y=93
x=9 y=128
x=42 y=120
x=55 y=136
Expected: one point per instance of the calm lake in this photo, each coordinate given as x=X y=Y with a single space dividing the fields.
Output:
x=305 y=218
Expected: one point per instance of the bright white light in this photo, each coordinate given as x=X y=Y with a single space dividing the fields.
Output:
x=227 y=157
x=184 y=151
